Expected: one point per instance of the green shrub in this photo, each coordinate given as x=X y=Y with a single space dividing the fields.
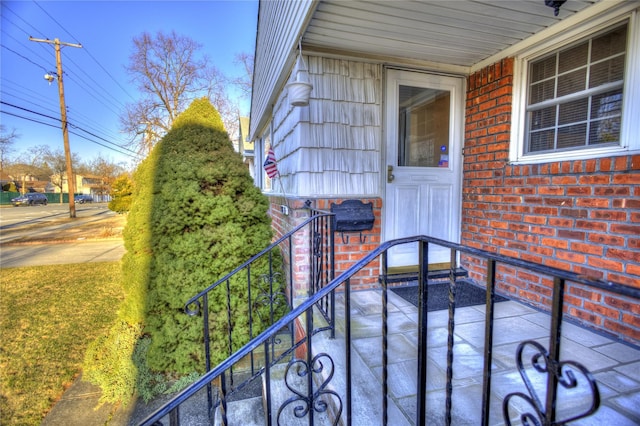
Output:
x=109 y=362
x=195 y=216
x=121 y=194
x=206 y=218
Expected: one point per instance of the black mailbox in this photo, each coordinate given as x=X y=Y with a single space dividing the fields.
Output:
x=352 y=216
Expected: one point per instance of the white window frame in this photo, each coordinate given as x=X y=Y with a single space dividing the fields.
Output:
x=630 y=129
x=258 y=161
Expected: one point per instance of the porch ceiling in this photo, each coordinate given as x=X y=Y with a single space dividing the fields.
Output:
x=459 y=32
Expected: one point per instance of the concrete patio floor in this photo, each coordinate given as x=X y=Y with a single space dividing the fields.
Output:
x=615 y=365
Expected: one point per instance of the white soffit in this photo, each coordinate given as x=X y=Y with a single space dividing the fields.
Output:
x=453 y=32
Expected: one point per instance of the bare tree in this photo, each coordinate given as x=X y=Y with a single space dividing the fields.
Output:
x=29 y=165
x=57 y=163
x=6 y=144
x=106 y=171
x=170 y=73
x=245 y=82
x=228 y=108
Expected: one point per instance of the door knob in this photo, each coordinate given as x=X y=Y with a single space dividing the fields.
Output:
x=390 y=176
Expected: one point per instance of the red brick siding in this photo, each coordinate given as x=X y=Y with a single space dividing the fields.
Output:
x=347 y=252
x=582 y=215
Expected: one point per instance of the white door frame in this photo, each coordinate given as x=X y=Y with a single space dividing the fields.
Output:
x=436 y=182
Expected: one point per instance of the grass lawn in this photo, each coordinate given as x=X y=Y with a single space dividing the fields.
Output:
x=48 y=316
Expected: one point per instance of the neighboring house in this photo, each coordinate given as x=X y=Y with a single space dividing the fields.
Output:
x=246 y=145
x=89 y=185
x=498 y=125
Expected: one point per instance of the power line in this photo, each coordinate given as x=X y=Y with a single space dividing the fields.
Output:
x=28 y=110
x=134 y=155
x=33 y=96
x=28 y=119
x=27 y=33
x=87 y=87
x=72 y=125
x=24 y=57
x=12 y=95
x=37 y=95
x=24 y=47
x=89 y=53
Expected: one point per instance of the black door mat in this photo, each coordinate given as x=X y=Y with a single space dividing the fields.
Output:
x=467 y=294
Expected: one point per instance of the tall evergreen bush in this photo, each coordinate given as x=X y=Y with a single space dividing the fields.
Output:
x=195 y=216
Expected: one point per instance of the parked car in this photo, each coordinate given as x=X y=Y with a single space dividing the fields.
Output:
x=30 y=199
x=83 y=198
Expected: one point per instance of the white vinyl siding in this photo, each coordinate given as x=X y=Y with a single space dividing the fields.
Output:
x=280 y=25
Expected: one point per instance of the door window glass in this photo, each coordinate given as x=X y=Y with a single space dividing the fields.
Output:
x=423 y=127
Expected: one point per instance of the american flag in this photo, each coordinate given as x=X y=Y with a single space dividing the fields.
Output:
x=270 y=165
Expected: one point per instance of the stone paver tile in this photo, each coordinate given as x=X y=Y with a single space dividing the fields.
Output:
x=468 y=314
x=543 y=319
x=592 y=360
x=504 y=356
x=465 y=407
x=467 y=361
x=367 y=302
x=403 y=378
x=437 y=319
x=507 y=309
x=631 y=370
x=620 y=352
x=569 y=401
x=607 y=416
x=630 y=405
x=400 y=323
x=398 y=301
x=582 y=335
x=617 y=381
x=399 y=349
x=505 y=330
x=365 y=326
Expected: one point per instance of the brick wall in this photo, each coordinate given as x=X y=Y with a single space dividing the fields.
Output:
x=582 y=216
x=347 y=252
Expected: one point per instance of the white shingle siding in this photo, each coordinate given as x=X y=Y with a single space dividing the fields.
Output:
x=332 y=147
x=279 y=29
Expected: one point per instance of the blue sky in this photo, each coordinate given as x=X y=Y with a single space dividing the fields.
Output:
x=95 y=82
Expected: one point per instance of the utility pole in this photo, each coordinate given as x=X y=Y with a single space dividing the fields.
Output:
x=63 y=113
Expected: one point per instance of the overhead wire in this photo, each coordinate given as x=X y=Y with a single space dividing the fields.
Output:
x=129 y=152
x=86 y=50
x=27 y=33
x=23 y=57
x=38 y=100
x=27 y=48
x=134 y=155
x=74 y=74
x=87 y=87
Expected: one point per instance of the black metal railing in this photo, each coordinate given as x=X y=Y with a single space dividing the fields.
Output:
x=320 y=379
x=265 y=280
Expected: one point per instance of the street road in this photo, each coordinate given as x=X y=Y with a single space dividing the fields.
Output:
x=19 y=222
x=26 y=217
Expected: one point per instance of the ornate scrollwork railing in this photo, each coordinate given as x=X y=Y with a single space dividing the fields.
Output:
x=306 y=397
x=568 y=374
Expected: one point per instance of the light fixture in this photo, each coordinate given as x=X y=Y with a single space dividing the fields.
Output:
x=299 y=89
x=49 y=78
x=555 y=4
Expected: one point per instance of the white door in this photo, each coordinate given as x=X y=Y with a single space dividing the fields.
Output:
x=423 y=162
